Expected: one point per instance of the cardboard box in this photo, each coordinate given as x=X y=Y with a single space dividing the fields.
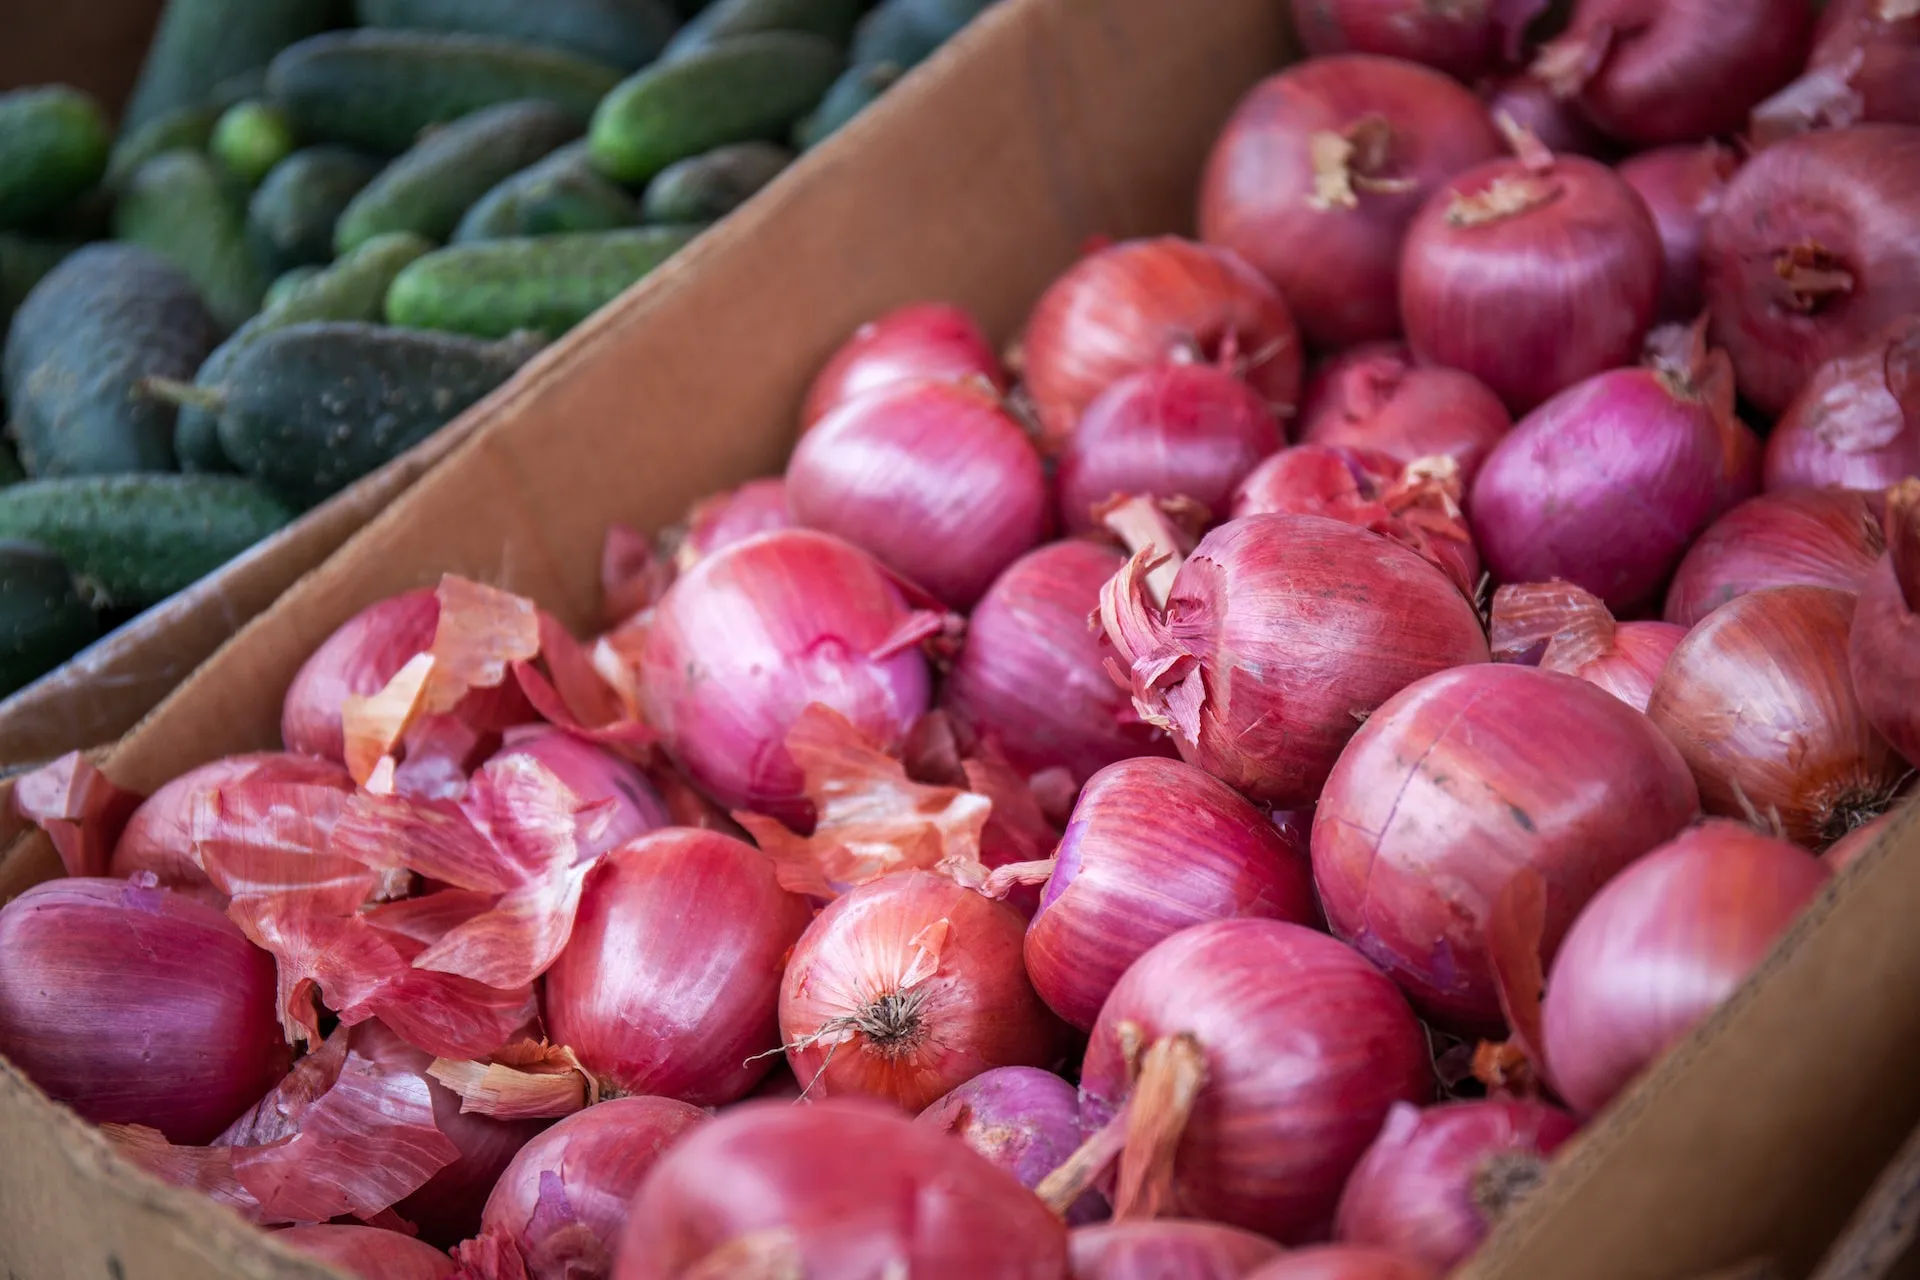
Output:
x=1047 y=122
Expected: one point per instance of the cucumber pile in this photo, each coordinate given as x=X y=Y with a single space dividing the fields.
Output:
x=326 y=227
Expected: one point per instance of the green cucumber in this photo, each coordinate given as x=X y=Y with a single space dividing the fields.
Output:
x=621 y=33
x=902 y=33
x=851 y=94
x=291 y=215
x=378 y=89
x=547 y=284
x=749 y=88
x=43 y=620
x=200 y=43
x=250 y=138
x=132 y=541
x=723 y=20
x=285 y=285
x=53 y=146
x=24 y=262
x=563 y=192
x=107 y=316
x=426 y=190
x=184 y=129
x=708 y=187
x=178 y=205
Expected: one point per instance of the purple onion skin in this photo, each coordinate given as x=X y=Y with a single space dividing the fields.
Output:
x=1023 y=1119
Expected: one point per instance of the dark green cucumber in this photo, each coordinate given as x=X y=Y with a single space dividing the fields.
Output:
x=200 y=43
x=852 y=93
x=134 y=540
x=189 y=126
x=547 y=284
x=745 y=89
x=902 y=33
x=53 y=146
x=24 y=262
x=563 y=192
x=285 y=284
x=179 y=205
x=291 y=215
x=622 y=33
x=378 y=89
x=725 y=19
x=107 y=316
x=43 y=620
x=426 y=190
x=707 y=187
x=250 y=138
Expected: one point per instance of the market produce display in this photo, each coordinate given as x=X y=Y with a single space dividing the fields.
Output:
x=317 y=228
x=1225 y=785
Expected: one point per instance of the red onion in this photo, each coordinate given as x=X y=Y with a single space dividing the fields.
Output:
x=1653 y=71
x=1531 y=274
x=1558 y=627
x=932 y=478
x=1856 y=422
x=1465 y=40
x=1031 y=675
x=1374 y=397
x=1884 y=645
x=1796 y=537
x=1660 y=947
x=669 y=982
x=1153 y=847
x=134 y=1004
x=1682 y=187
x=593 y=776
x=371 y=1253
x=1166 y=1247
x=1023 y=1119
x=1320 y=170
x=919 y=340
x=1436 y=1180
x=1271 y=1056
x=1865 y=67
x=1758 y=699
x=1460 y=783
x=1847 y=850
x=743 y=642
x=839 y=1188
x=1531 y=104
x=1174 y=431
x=1815 y=248
x=758 y=506
x=1344 y=1262
x=1280 y=633
x=907 y=987
x=562 y=1203
x=1140 y=303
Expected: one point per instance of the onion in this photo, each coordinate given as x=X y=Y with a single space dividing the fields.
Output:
x=1031 y=674
x=1531 y=274
x=1884 y=645
x=1164 y=1248
x=1558 y=627
x=1459 y=784
x=1023 y=1119
x=1815 y=248
x=1847 y=850
x=1279 y=634
x=758 y=506
x=1531 y=104
x=1805 y=537
x=748 y=638
x=134 y=1004
x=1320 y=170
x=839 y=1188
x=1344 y=1262
x=1660 y=947
x=594 y=776
x=1865 y=67
x=1153 y=847
x=932 y=478
x=1759 y=701
x=919 y=340
x=1682 y=187
x=1175 y=431
x=1140 y=303
x=669 y=982
x=1653 y=71
x=1465 y=40
x=1374 y=397
x=1856 y=421
x=1436 y=1180
x=369 y=1252
x=907 y=987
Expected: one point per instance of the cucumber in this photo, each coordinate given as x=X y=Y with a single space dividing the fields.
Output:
x=184 y=129
x=132 y=541
x=284 y=286
x=250 y=138
x=309 y=408
x=291 y=216
x=705 y=188
x=104 y=318
x=24 y=262
x=901 y=33
x=725 y=19
x=53 y=146
x=354 y=288
x=621 y=33
x=560 y=193
x=200 y=43
x=11 y=472
x=427 y=189
x=178 y=205
x=43 y=620
x=751 y=87
x=547 y=284
x=378 y=89
x=851 y=94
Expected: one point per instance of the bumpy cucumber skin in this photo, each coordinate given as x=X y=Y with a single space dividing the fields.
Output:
x=561 y=193
x=378 y=89
x=426 y=190
x=200 y=43
x=546 y=284
x=107 y=316
x=852 y=93
x=749 y=88
x=292 y=213
x=724 y=19
x=24 y=263
x=312 y=407
x=179 y=205
x=250 y=138
x=621 y=33
x=43 y=620
x=707 y=187
x=53 y=146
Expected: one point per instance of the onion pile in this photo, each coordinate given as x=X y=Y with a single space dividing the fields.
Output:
x=1682 y=187
x=1374 y=397
x=1023 y=1119
x=922 y=340
x=1865 y=67
x=1168 y=1247
x=1797 y=537
x=1884 y=645
x=1856 y=422
x=1556 y=626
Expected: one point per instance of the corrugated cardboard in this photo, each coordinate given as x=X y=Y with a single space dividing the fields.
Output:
x=1045 y=123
